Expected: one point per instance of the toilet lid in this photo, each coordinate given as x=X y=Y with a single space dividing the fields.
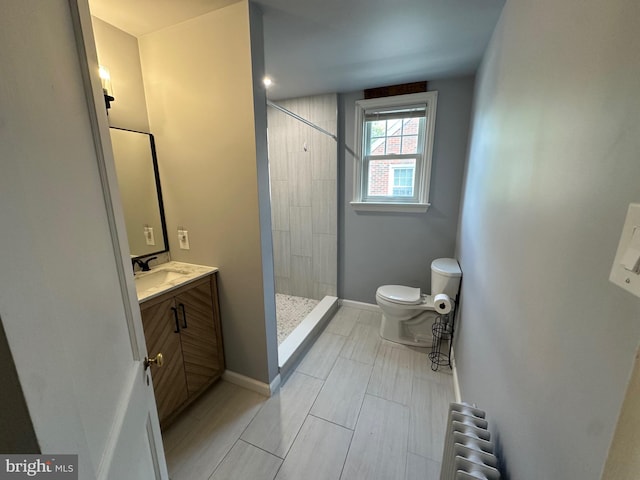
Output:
x=400 y=294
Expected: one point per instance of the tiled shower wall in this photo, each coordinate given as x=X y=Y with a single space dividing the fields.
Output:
x=303 y=171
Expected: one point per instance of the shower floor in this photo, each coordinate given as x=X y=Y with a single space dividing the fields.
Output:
x=290 y=311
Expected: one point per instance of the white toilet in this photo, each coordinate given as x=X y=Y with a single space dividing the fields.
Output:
x=408 y=314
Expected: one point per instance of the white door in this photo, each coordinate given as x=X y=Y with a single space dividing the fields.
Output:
x=67 y=300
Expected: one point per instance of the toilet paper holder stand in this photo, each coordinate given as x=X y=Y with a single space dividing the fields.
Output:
x=442 y=330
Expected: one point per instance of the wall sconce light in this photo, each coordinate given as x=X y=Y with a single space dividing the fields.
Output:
x=107 y=89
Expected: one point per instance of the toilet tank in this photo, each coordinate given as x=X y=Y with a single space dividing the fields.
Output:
x=445 y=276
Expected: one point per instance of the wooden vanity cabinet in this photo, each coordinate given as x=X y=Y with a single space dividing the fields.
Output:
x=169 y=382
x=200 y=343
x=183 y=325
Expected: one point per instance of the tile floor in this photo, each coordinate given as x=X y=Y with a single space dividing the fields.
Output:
x=356 y=407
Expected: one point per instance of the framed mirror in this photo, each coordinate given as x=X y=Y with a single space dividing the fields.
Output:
x=139 y=181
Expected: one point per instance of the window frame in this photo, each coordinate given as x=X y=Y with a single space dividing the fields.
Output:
x=422 y=174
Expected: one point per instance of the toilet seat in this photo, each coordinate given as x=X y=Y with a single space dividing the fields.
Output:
x=400 y=294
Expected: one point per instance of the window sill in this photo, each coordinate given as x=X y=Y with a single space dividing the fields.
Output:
x=390 y=207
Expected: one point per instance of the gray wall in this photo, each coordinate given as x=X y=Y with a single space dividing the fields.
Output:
x=262 y=161
x=211 y=141
x=546 y=343
x=303 y=173
x=199 y=81
x=118 y=51
x=396 y=248
x=623 y=461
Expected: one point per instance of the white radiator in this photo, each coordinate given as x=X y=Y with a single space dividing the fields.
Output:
x=468 y=451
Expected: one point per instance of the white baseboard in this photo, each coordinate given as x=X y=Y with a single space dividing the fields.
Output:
x=251 y=384
x=456 y=382
x=360 y=305
x=275 y=385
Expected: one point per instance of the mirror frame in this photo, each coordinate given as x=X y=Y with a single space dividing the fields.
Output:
x=156 y=173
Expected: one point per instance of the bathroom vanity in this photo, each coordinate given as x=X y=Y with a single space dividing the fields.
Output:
x=181 y=320
x=178 y=301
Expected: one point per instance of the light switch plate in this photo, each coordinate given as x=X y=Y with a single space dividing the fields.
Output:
x=183 y=239
x=621 y=276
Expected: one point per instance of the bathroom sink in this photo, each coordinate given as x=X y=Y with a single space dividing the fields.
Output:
x=168 y=276
x=157 y=279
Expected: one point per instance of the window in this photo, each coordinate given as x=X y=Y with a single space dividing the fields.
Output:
x=394 y=139
x=402 y=181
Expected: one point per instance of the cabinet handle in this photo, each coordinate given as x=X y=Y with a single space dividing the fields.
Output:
x=175 y=315
x=184 y=316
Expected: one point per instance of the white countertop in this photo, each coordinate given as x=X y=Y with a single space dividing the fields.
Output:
x=168 y=276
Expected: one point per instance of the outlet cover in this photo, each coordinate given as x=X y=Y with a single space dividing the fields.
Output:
x=183 y=239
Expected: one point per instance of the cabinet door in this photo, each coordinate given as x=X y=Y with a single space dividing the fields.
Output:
x=199 y=339
x=169 y=381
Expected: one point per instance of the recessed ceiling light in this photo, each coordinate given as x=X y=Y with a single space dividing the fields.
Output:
x=267 y=81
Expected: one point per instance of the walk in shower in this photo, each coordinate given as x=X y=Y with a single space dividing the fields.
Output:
x=303 y=175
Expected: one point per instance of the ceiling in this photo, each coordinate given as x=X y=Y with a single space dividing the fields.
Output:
x=139 y=17
x=314 y=47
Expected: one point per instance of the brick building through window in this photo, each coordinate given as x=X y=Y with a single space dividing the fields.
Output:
x=389 y=176
x=394 y=140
